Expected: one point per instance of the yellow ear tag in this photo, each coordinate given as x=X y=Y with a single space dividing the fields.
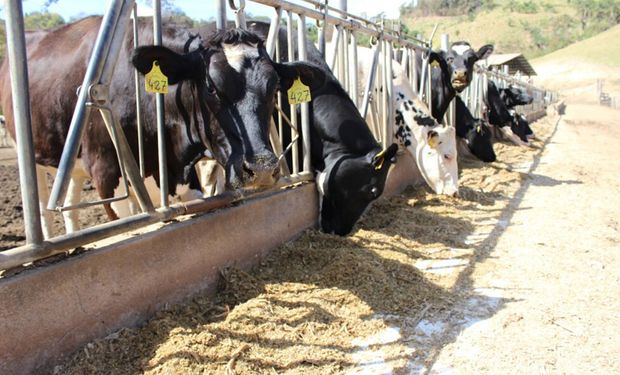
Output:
x=435 y=64
x=155 y=80
x=432 y=142
x=298 y=93
x=380 y=155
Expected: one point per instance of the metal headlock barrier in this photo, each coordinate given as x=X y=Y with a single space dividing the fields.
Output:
x=473 y=96
x=377 y=105
x=374 y=99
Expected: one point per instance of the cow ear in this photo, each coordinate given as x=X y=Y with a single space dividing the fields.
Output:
x=432 y=137
x=311 y=75
x=385 y=157
x=175 y=66
x=436 y=56
x=484 y=51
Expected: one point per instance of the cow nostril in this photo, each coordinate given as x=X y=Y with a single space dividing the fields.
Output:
x=447 y=156
x=455 y=194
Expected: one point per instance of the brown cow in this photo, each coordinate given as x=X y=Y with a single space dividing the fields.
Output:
x=221 y=94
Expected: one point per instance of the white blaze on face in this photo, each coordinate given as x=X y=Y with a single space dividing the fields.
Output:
x=460 y=49
x=237 y=53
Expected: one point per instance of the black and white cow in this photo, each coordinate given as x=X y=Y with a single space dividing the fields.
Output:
x=501 y=118
x=351 y=166
x=513 y=96
x=474 y=133
x=453 y=74
x=432 y=145
x=221 y=99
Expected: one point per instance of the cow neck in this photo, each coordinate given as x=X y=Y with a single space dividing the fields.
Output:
x=446 y=91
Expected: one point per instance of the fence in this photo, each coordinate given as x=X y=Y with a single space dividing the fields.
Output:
x=474 y=95
x=94 y=99
x=373 y=98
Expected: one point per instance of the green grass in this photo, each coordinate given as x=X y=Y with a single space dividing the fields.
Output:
x=603 y=48
x=534 y=28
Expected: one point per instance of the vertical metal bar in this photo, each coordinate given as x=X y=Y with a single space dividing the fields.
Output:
x=341 y=48
x=390 y=98
x=429 y=87
x=322 y=30
x=424 y=74
x=370 y=80
x=220 y=14
x=138 y=88
x=274 y=29
x=414 y=69
x=161 y=126
x=353 y=70
x=445 y=42
x=305 y=121
x=81 y=114
x=385 y=82
x=293 y=112
x=345 y=60
x=239 y=13
x=334 y=47
x=16 y=48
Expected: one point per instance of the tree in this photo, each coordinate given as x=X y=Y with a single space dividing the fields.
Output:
x=42 y=20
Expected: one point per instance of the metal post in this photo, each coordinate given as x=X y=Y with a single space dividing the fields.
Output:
x=274 y=29
x=370 y=80
x=353 y=69
x=445 y=42
x=305 y=121
x=342 y=5
x=239 y=13
x=138 y=87
x=334 y=46
x=220 y=14
x=385 y=99
x=16 y=48
x=322 y=30
x=293 y=107
x=387 y=141
x=161 y=127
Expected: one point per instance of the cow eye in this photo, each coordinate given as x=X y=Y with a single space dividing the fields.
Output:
x=450 y=60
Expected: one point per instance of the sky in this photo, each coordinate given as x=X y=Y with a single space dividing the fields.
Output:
x=204 y=9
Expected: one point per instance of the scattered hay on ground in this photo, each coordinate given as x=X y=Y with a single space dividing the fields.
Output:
x=322 y=303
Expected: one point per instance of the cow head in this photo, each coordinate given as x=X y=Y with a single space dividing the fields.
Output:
x=237 y=81
x=514 y=96
x=436 y=156
x=457 y=63
x=521 y=127
x=348 y=185
x=432 y=146
x=478 y=140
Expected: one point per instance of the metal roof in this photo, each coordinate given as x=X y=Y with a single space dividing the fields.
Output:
x=515 y=61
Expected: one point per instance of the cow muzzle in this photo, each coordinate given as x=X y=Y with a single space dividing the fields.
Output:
x=459 y=80
x=261 y=171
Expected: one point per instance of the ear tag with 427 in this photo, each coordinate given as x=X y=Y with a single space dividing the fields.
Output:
x=155 y=80
x=298 y=93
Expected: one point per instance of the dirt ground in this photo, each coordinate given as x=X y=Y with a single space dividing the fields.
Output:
x=520 y=274
x=11 y=215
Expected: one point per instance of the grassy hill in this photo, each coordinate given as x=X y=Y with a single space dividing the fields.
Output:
x=576 y=69
x=534 y=28
x=603 y=49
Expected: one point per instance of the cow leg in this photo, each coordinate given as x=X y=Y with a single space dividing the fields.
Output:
x=47 y=218
x=72 y=217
